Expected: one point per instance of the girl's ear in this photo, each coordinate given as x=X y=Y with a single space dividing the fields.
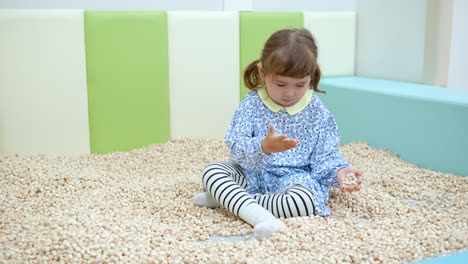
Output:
x=260 y=71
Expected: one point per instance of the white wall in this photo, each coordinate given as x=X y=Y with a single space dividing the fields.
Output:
x=420 y=41
x=458 y=54
x=391 y=39
x=458 y=66
x=171 y=5
x=303 y=5
x=437 y=43
x=117 y=4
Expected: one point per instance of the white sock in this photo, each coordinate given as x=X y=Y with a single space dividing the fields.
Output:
x=264 y=223
x=205 y=199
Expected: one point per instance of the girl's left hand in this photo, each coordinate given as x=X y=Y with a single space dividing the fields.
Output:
x=341 y=173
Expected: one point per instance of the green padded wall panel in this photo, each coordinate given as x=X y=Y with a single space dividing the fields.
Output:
x=128 y=79
x=255 y=28
x=425 y=125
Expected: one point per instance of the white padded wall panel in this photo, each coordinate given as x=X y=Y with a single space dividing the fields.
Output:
x=335 y=35
x=203 y=72
x=43 y=97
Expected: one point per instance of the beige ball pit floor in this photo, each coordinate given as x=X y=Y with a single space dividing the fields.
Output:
x=136 y=207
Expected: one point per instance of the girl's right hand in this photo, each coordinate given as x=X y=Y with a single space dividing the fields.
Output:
x=277 y=143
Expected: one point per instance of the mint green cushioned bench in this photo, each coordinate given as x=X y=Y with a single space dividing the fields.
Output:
x=425 y=125
x=455 y=258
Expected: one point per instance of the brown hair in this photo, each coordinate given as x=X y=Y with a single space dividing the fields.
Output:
x=290 y=53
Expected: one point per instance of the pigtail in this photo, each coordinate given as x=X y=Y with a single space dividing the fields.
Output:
x=314 y=82
x=252 y=78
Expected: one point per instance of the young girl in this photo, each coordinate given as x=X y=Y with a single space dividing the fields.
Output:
x=282 y=139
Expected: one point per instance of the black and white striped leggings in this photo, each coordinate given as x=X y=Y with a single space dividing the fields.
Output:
x=226 y=182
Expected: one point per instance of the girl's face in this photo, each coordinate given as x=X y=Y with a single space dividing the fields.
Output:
x=285 y=91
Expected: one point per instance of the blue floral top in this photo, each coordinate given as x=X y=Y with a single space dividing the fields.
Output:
x=313 y=163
